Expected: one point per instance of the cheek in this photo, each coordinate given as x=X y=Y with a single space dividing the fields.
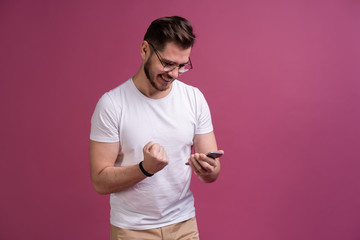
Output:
x=152 y=70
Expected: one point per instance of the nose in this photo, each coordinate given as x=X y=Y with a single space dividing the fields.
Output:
x=174 y=73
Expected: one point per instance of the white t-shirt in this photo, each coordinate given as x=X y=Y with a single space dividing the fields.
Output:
x=127 y=116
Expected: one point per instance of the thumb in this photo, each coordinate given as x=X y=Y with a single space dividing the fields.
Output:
x=148 y=146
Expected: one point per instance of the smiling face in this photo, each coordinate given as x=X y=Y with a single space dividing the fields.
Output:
x=154 y=70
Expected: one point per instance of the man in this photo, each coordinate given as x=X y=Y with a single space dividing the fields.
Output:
x=141 y=137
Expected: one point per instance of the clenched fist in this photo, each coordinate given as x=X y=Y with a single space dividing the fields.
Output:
x=155 y=157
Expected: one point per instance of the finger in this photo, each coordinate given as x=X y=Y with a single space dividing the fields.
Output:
x=148 y=146
x=165 y=156
x=161 y=153
x=205 y=161
x=211 y=162
x=195 y=163
x=201 y=170
x=208 y=164
x=155 y=148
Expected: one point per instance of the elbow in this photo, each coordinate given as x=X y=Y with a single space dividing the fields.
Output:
x=100 y=191
x=99 y=188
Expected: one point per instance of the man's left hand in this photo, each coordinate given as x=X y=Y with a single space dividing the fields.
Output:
x=202 y=165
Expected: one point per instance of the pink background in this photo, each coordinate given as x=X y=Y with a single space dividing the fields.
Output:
x=282 y=81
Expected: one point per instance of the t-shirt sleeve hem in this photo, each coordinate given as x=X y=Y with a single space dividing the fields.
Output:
x=204 y=131
x=100 y=139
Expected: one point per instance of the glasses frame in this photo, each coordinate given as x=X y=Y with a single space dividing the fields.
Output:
x=167 y=68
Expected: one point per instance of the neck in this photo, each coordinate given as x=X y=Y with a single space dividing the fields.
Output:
x=144 y=86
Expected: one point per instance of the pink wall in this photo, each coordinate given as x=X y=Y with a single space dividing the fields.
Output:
x=282 y=81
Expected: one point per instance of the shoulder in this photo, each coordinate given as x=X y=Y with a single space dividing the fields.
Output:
x=119 y=90
x=114 y=96
x=188 y=89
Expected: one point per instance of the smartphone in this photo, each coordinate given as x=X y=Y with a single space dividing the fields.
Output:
x=212 y=155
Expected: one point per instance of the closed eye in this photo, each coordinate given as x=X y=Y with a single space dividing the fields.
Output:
x=170 y=64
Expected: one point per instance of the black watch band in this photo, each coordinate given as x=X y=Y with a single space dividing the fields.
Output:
x=144 y=171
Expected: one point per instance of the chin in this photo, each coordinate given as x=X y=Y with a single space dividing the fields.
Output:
x=163 y=88
x=163 y=84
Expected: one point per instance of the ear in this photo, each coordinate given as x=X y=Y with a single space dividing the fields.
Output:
x=145 y=50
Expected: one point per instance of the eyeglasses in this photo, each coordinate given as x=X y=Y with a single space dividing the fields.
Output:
x=169 y=66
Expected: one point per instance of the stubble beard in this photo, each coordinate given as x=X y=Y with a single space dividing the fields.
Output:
x=151 y=77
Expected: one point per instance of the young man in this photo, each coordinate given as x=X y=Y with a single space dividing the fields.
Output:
x=141 y=137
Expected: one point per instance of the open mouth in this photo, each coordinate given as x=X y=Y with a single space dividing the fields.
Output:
x=166 y=79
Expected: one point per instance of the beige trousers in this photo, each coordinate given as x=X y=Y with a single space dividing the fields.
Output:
x=179 y=231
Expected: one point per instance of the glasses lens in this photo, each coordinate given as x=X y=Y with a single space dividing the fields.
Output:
x=182 y=69
x=185 y=68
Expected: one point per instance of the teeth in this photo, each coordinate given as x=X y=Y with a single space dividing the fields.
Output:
x=168 y=80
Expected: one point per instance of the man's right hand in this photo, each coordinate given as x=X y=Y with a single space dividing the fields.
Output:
x=155 y=157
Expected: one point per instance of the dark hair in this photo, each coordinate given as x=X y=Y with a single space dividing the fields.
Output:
x=170 y=29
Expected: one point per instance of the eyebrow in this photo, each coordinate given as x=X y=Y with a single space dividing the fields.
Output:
x=167 y=61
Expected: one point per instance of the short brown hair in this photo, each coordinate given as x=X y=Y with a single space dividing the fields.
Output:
x=170 y=29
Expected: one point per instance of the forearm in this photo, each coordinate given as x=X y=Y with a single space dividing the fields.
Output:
x=116 y=179
x=109 y=179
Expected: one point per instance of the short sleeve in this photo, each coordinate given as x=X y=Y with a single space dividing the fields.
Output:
x=204 y=123
x=105 y=121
